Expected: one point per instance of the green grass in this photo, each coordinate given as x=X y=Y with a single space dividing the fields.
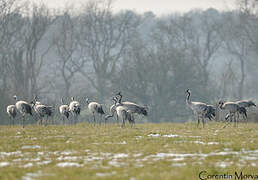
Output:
x=109 y=152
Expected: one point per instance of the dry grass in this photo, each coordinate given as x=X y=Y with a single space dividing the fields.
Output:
x=147 y=151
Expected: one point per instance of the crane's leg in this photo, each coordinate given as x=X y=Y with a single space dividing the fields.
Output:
x=123 y=123
x=117 y=119
x=198 y=121
x=234 y=119
x=203 y=121
x=100 y=120
x=245 y=119
x=75 y=119
x=63 y=120
x=23 y=121
x=133 y=122
x=228 y=120
x=94 y=119
x=104 y=120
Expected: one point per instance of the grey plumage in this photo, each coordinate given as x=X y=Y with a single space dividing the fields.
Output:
x=200 y=109
x=241 y=110
x=23 y=108
x=95 y=108
x=42 y=110
x=246 y=103
x=133 y=107
x=124 y=113
x=210 y=112
x=64 y=110
x=75 y=109
x=112 y=110
x=233 y=109
x=11 y=110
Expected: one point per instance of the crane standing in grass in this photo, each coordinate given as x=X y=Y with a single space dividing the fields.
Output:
x=42 y=110
x=112 y=110
x=95 y=108
x=23 y=107
x=243 y=104
x=11 y=110
x=75 y=109
x=64 y=111
x=124 y=113
x=211 y=112
x=199 y=108
x=134 y=108
x=233 y=109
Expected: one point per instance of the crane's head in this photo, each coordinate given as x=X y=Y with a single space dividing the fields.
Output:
x=119 y=93
x=188 y=91
x=220 y=104
x=15 y=97
x=36 y=98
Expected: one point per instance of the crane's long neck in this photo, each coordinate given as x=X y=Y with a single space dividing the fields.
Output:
x=87 y=101
x=221 y=106
x=188 y=102
x=114 y=101
x=120 y=98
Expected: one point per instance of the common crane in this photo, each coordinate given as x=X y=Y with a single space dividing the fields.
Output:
x=95 y=108
x=23 y=107
x=11 y=110
x=199 y=108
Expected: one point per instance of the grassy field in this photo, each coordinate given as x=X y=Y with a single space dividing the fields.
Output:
x=147 y=151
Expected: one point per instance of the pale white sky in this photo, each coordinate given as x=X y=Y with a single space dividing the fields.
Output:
x=159 y=7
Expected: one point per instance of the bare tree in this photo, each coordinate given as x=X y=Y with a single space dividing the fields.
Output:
x=104 y=37
x=68 y=51
x=27 y=62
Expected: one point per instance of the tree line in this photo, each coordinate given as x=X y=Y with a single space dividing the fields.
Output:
x=96 y=52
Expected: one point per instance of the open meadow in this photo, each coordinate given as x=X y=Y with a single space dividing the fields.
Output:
x=146 y=151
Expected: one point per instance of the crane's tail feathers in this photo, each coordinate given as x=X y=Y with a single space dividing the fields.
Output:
x=243 y=111
x=66 y=114
x=144 y=112
x=100 y=110
x=78 y=110
x=252 y=104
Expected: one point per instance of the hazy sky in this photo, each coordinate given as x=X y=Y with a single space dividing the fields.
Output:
x=159 y=7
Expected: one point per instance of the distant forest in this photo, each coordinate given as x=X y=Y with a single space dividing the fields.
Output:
x=94 y=52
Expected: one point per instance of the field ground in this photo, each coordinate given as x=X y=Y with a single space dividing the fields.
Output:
x=147 y=151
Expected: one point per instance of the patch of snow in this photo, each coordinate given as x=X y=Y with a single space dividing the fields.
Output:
x=68 y=164
x=117 y=164
x=68 y=158
x=120 y=155
x=178 y=164
x=28 y=165
x=213 y=143
x=43 y=163
x=67 y=153
x=10 y=153
x=154 y=135
x=105 y=174
x=3 y=164
x=31 y=147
